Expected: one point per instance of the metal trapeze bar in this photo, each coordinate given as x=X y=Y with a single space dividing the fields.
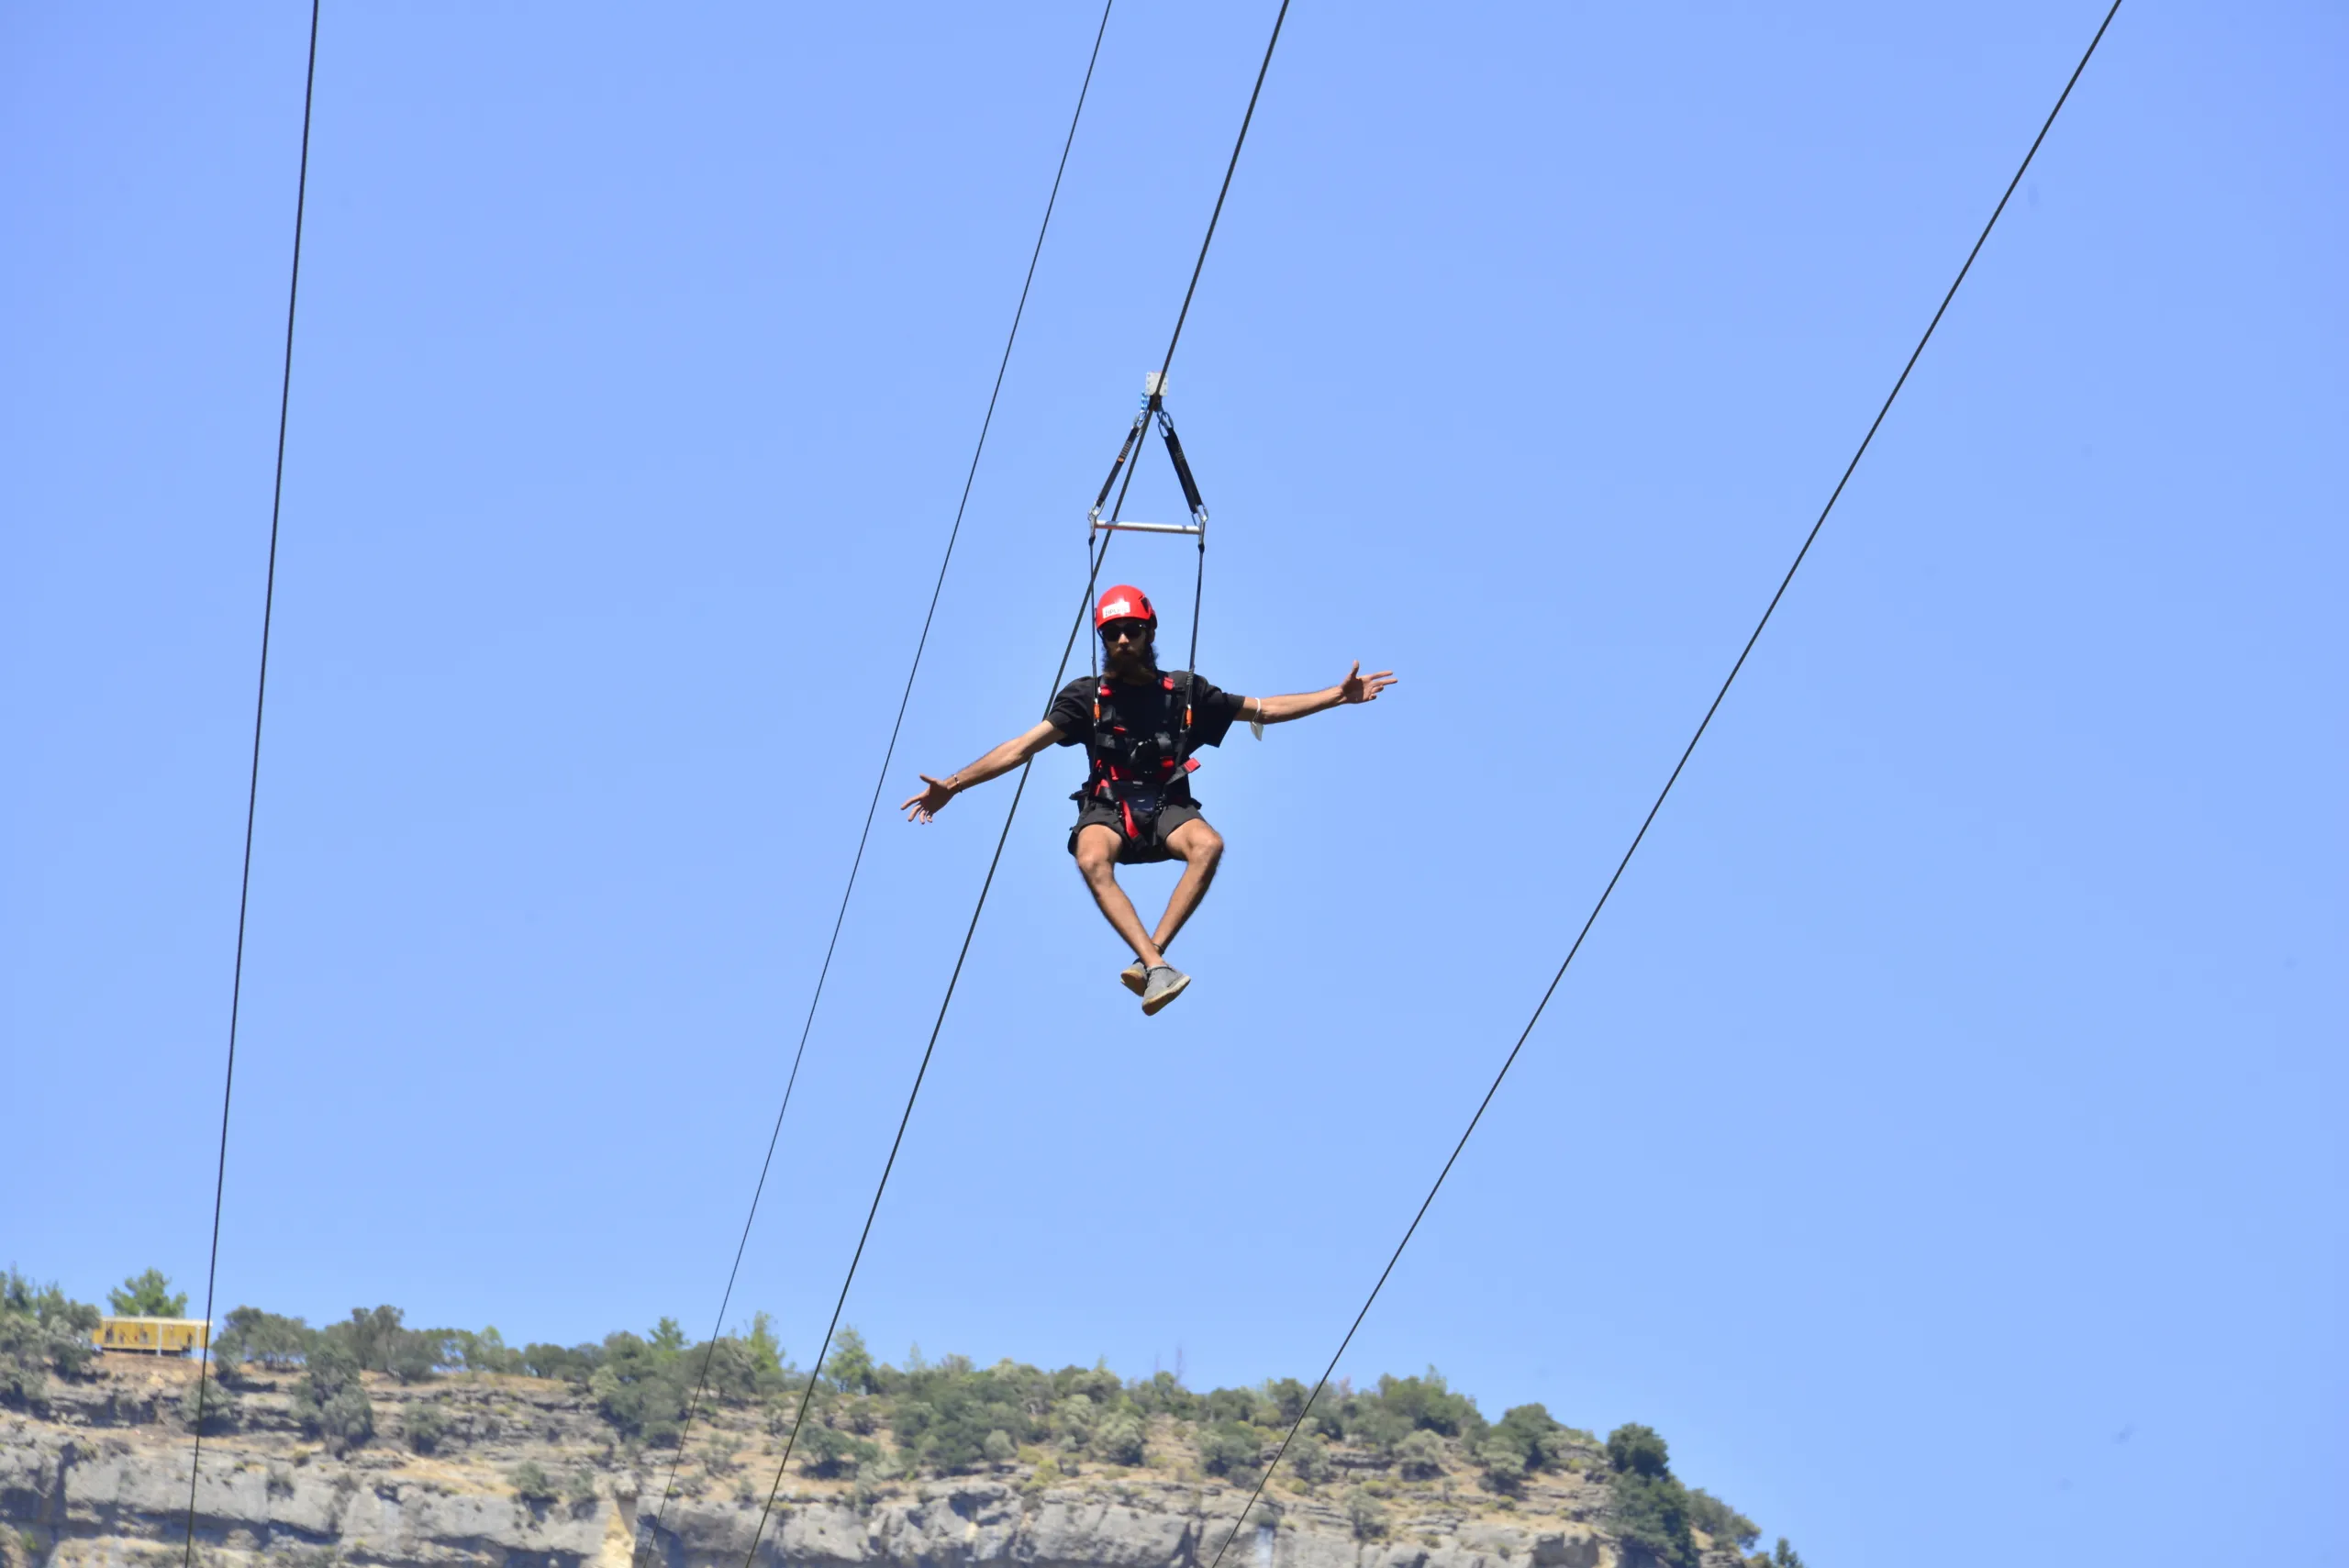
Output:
x=1193 y=528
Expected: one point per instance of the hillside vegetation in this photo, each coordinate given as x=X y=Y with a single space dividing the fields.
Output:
x=716 y=1418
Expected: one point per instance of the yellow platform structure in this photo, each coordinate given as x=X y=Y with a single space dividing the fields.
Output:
x=152 y=1336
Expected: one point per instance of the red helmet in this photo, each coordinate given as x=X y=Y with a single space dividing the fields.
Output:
x=1124 y=602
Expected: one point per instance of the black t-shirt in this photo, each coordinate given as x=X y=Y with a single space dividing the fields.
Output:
x=1146 y=708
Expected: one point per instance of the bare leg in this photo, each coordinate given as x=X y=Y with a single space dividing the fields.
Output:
x=1096 y=860
x=1200 y=849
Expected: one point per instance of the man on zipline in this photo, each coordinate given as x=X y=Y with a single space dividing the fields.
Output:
x=1140 y=727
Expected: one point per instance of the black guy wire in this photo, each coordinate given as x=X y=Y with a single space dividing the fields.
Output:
x=987 y=884
x=888 y=755
x=252 y=787
x=1649 y=820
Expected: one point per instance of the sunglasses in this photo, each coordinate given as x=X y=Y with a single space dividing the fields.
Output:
x=1120 y=631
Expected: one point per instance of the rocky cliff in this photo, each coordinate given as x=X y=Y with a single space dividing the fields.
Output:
x=523 y=1475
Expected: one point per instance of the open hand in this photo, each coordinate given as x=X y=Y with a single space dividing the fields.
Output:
x=930 y=802
x=1359 y=687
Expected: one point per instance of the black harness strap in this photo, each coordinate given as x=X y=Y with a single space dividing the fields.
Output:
x=1109 y=738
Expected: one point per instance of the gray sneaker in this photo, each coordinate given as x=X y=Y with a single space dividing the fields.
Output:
x=1165 y=983
x=1135 y=975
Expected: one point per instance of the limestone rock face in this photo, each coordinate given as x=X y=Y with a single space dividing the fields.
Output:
x=100 y=1479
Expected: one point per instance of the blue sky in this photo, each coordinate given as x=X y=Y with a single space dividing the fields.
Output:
x=1939 y=1137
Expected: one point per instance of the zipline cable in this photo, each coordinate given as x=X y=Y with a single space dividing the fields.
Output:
x=1649 y=820
x=252 y=788
x=815 y=1370
x=888 y=756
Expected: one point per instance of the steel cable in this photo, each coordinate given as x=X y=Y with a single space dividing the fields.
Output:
x=1771 y=608
x=252 y=788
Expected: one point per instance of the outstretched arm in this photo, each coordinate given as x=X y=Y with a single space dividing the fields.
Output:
x=932 y=800
x=1355 y=687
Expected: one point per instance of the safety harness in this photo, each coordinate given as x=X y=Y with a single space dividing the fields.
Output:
x=1138 y=758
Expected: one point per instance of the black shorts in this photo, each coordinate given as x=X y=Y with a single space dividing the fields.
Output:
x=1151 y=845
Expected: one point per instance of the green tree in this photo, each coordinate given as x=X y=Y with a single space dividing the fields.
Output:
x=1287 y=1396
x=1528 y=1430
x=998 y=1448
x=1227 y=1446
x=1420 y=1456
x=638 y=1389
x=370 y=1337
x=668 y=1340
x=487 y=1351
x=1639 y=1451
x=1719 y=1520
x=261 y=1339
x=1310 y=1458
x=1428 y=1403
x=851 y=1367
x=766 y=1354
x=1366 y=1513
x=1647 y=1506
x=147 y=1294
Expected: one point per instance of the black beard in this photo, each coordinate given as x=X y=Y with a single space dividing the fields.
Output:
x=1142 y=660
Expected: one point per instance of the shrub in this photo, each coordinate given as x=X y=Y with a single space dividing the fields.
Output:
x=425 y=1426
x=573 y=1364
x=944 y=1414
x=1228 y=1445
x=829 y=1453
x=1719 y=1520
x=1785 y=1556
x=1420 y=1456
x=1377 y=1428
x=640 y=1389
x=1504 y=1467
x=581 y=1493
x=1287 y=1396
x=330 y=1401
x=1230 y=1405
x=999 y=1449
x=1162 y=1396
x=532 y=1485
x=209 y=1406
x=1310 y=1458
x=1118 y=1439
x=1528 y=1431
x=1429 y=1404
x=1366 y=1513
x=147 y=1294
x=40 y=1331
